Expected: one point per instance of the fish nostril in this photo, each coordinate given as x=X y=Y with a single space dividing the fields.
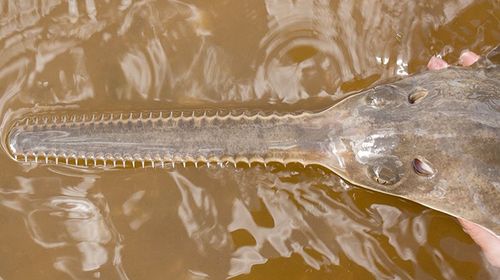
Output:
x=417 y=96
x=423 y=167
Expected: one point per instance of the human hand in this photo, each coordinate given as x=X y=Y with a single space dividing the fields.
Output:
x=487 y=240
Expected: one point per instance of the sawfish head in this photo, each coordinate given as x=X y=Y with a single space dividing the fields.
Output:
x=433 y=138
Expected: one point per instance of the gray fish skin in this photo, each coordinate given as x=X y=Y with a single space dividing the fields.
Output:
x=433 y=138
x=454 y=130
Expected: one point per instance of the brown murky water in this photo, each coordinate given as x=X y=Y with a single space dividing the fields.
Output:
x=214 y=223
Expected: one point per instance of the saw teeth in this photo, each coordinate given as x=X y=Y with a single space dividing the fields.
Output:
x=151 y=120
x=72 y=118
x=119 y=161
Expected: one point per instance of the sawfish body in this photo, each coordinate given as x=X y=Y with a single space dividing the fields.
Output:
x=433 y=138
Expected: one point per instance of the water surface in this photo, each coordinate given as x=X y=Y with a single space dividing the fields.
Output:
x=213 y=223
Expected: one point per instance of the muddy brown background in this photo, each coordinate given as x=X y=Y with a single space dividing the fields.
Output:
x=242 y=223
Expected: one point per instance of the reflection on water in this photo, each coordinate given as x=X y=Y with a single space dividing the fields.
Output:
x=68 y=219
x=216 y=223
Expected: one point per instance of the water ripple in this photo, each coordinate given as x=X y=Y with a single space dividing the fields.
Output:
x=220 y=223
x=61 y=222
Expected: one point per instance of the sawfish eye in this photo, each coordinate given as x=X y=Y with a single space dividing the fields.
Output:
x=375 y=101
x=381 y=97
x=386 y=172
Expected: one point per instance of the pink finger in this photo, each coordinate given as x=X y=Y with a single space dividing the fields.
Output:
x=467 y=58
x=436 y=63
x=488 y=241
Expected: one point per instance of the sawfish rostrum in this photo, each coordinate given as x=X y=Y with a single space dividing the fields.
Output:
x=433 y=138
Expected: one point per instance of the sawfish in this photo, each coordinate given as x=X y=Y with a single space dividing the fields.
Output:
x=432 y=138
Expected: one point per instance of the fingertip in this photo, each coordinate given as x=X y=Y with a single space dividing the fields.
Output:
x=487 y=240
x=467 y=58
x=469 y=227
x=436 y=63
x=474 y=229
